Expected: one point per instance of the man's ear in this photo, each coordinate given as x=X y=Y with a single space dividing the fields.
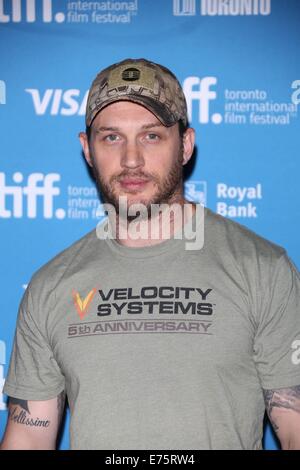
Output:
x=188 y=144
x=85 y=147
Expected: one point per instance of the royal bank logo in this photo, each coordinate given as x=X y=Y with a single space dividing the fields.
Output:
x=196 y=191
x=82 y=305
x=2 y=92
x=184 y=7
x=2 y=380
x=25 y=196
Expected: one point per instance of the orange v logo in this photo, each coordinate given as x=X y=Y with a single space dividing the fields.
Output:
x=82 y=305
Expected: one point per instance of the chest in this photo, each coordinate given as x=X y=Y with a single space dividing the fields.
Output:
x=198 y=317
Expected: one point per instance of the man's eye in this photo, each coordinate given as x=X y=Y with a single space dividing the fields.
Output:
x=152 y=136
x=111 y=137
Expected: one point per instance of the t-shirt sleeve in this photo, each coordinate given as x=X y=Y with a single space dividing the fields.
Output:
x=33 y=371
x=277 y=339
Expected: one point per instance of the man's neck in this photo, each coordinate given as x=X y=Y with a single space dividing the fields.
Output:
x=157 y=228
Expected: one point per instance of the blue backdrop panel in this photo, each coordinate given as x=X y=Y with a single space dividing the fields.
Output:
x=238 y=61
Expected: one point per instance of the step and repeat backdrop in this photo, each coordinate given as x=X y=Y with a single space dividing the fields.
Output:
x=238 y=62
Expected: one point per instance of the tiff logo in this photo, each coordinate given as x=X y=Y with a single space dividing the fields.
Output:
x=27 y=10
x=39 y=187
x=2 y=380
x=184 y=7
x=2 y=92
x=202 y=95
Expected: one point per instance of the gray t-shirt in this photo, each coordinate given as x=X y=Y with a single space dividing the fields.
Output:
x=160 y=347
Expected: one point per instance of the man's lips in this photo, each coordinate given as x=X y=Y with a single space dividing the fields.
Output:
x=133 y=182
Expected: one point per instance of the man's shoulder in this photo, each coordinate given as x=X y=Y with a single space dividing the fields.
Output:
x=239 y=238
x=53 y=271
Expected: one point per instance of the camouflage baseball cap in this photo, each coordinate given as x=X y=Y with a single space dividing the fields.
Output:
x=143 y=82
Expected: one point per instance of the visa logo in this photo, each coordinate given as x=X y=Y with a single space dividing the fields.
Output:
x=58 y=102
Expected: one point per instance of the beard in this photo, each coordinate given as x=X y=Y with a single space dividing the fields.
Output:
x=168 y=189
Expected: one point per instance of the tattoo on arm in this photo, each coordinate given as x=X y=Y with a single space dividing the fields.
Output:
x=22 y=403
x=288 y=398
x=61 y=405
x=20 y=414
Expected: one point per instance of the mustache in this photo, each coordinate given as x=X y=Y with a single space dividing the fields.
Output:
x=141 y=175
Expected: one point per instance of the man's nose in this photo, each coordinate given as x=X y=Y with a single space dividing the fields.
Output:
x=132 y=156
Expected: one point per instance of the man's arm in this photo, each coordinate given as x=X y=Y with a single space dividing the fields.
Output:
x=283 y=408
x=33 y=425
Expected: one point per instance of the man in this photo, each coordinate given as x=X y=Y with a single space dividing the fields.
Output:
x=157 y=345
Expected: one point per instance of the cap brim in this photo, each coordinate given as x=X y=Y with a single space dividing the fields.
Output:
x=162 y=114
